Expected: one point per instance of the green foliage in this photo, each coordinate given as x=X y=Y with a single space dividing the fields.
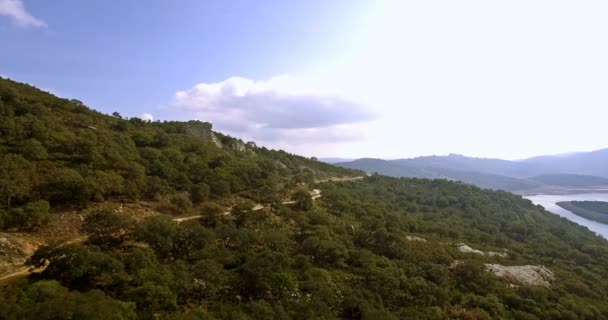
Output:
x=199 y=193
x=151 y=298
x=15 y=174
x=106 y=228
x=79 y=267
x=49 y=300
x=267 y=275
x=29 y=217
x=33 y=150
x=242 y=211
x=303 y=199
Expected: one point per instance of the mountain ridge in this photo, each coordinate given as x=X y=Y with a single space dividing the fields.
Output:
x=519 y=176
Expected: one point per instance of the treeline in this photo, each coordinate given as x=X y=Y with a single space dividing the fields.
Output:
x=56 y=152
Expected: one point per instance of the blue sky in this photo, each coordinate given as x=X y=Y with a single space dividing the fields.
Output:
x=134 y=55
x=384 y=78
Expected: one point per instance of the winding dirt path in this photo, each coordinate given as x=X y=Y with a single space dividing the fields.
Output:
x=340 y=179
x=26 y=271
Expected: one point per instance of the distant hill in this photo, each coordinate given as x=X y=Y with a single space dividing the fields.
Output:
x=389 y=168
x=419 y=169
x=558 y=172
x=462 y=163
x=335 y=160
x=571 y=180
x=594 y=163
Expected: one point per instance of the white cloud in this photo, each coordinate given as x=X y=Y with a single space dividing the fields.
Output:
x=16 y=10
x=280 y=111
x=147 y=117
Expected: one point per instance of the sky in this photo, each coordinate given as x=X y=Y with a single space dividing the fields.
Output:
x=341 y=78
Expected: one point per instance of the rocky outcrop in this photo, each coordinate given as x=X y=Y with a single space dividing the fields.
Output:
x=14 y=252
x=465 y=248
x=414 y=238
x=204 y=130
x=216 y=140
x=528 y=274
x=200 y=129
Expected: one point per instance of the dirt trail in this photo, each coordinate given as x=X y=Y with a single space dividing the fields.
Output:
x=315 y=194
x=339 y=179
x=20 y=273
x=25 y=271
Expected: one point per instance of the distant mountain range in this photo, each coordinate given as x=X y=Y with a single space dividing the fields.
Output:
x=575 y=172
x=335 y=160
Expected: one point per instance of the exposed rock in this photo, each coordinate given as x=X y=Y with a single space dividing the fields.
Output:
x=315 y=193
x=200 y=129
x=216 y=140
x=455 y=263
x=414 y=238
x=466 y=249
x=14 y=252
x=238 y=146
x=528 y=274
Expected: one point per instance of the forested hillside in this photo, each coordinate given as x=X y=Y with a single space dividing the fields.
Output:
x=367 y=248
x=56 y=152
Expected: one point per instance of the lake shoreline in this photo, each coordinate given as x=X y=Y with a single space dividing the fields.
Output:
x=585 y=213
x=549 y=202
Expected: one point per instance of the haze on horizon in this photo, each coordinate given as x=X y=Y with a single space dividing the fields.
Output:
x=384 y=79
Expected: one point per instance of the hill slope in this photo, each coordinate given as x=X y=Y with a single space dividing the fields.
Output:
x=58 y=152
x=366 y=248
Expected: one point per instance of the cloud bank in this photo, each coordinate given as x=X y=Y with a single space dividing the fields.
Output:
x=16 y=10
x=282 y=110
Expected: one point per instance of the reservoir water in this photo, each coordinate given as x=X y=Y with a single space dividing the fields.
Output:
x=549 y=203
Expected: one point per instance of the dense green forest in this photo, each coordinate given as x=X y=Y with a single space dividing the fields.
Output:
x=373 y=248
x=592 y=210
x=56 y=152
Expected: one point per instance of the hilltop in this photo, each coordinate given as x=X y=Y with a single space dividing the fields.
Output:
x=126 y=219
x=59 y=153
